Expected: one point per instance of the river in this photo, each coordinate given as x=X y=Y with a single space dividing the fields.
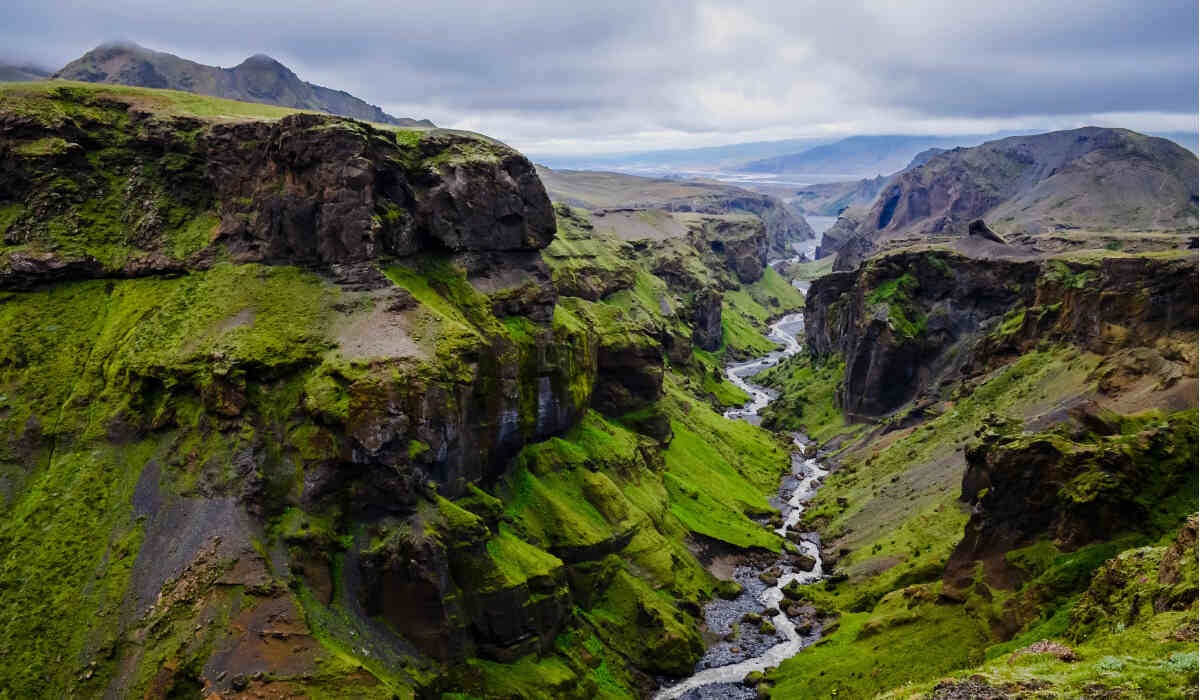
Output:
x=742 y=648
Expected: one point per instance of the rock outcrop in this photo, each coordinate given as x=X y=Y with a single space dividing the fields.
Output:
x=306 y=189
x=907 y=320
x=1070 y=490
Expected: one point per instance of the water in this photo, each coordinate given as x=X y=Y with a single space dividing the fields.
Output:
x=720 y=672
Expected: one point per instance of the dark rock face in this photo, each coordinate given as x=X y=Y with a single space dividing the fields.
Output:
x=307 y=189
x=910 y=319
x=979 y=229
x=629 y=376
x=706 y=319
x=331 y=191
x=741 y=241
x=836 y=237
x=887 y=362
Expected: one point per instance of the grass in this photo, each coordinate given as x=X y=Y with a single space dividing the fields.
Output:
x=807 y=400
x=868 y=654
x=38 y=98
x=808 y=271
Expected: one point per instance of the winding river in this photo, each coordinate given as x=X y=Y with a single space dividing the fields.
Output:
x=720 y=672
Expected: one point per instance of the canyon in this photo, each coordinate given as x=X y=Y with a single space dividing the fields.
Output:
x=296 y=405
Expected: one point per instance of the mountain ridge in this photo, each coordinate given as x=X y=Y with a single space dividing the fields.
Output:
x=259 y=78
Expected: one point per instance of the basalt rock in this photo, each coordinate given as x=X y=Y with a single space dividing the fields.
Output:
x=908 y=320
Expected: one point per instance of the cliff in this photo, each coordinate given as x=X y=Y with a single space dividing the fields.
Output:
x=1013 y=483
x=905 y=322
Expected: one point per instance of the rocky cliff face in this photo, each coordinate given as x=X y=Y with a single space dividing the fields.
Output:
x=604 y=190
x=905 y=322
x=307 y=189
x=783 y=227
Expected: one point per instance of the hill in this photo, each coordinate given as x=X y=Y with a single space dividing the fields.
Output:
x=594 y=190
x=1077 y=182
x=257 y=79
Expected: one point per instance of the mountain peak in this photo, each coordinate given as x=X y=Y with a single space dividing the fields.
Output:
x=262 y=60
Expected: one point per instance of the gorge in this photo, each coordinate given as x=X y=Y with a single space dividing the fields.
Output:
x=294 y=405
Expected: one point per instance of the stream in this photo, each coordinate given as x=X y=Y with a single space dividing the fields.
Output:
x=742 y=648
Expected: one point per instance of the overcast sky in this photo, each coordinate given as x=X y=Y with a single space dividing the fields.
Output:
x=553 y=77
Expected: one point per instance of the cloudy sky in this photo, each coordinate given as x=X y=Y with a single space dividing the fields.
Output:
x=553 y=77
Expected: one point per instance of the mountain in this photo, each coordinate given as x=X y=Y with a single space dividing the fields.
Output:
x=591 y=189
x=834 y=198
x=859 y=155
x=257 y=79
x=21 y=73
x=1084 y=180
x=730 y=156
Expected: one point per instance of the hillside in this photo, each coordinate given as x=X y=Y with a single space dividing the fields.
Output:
x=603 y=190
x=10 y=73
x=257 y=79
x=1032 y=189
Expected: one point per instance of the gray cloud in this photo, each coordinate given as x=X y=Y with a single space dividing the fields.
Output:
x=552 y=76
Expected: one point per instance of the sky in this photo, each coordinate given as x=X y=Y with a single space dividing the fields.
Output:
x=627 y=75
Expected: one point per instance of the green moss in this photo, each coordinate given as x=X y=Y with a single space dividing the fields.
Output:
x=903 y=316
x=740 y=336
x=775 y=293
x=939 y=263
x=9 y=213
x=458 y=526
x=660 y=639
x=711 y=374
x=193 y=236
x=49 y=146
x=1070 y=275
x=518 y=560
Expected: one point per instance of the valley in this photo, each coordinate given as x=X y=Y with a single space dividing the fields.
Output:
x=301 y=405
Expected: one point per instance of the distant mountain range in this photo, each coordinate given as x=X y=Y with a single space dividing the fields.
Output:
x=1083 y=180
x=863 y=155
x=732 y=156
x=23 y=73
x=257 y=79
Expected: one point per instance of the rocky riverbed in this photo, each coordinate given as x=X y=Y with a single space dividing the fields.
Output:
x=761 y=627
